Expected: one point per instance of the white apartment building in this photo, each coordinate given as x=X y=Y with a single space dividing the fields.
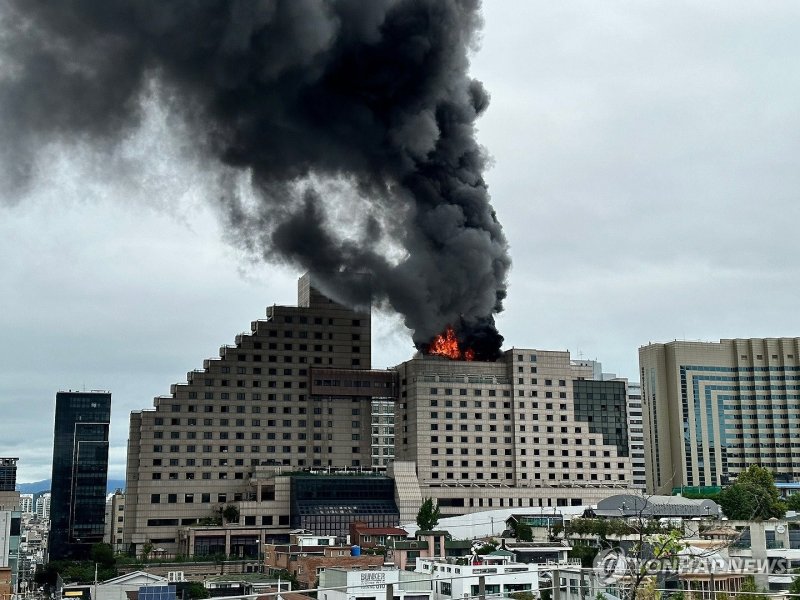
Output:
x=370 y=584
x=26 y=503
x=43 y=506
x=501 y=577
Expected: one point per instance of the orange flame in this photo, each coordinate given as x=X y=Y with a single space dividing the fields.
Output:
x=446 y=344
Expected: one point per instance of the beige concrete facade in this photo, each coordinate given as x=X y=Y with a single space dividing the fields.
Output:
x=506 y=433
x=115 y=521
x=711 y=409
x=294 y=393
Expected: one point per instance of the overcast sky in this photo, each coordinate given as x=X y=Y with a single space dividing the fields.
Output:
x=644 y=167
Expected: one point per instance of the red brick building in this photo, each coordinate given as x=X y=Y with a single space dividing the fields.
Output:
x=306 y=562
x=365 y=536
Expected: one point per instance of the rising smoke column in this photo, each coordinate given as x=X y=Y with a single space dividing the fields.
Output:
x=373 y=93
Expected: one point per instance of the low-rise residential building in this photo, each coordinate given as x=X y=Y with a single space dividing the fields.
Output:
x=501 y=577
x=32 y=548
x=364 y=536
x=308 y=539
x=371 y=584
x=772 y=546
x=118 y=588
x=428 y=544
x=305 y=561
x=247 y=584
x=538 y=552
x=542 y=524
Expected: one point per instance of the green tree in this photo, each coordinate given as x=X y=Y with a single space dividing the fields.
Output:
x=486 y=548
x=231 y=513
x=73 y=571
x=753 y=496
x=751 y=591
x=147 y=549
x=585 y=552
x=793 y=502
x=523 y=532
x=103 y=555
x=428 y=515
x=192 y=590
x=794 y=588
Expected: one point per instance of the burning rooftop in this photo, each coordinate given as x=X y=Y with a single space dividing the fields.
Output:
x=467 y=341
x=446 y=344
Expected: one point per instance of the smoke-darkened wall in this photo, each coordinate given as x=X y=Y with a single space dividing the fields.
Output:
x=374 y=94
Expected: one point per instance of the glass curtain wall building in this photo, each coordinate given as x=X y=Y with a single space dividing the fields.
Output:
x=80 y=470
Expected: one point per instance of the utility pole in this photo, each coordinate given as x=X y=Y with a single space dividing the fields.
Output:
x=556 y=577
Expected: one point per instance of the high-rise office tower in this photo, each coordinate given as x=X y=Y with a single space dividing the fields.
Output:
x=9 y=496
x=294 y=393
x=711 y=409
x=8 y=474
x=80 y=470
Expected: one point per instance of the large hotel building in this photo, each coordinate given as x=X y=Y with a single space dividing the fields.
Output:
x=712 y=409
x=530 y=430
x=293 y=394
x=290 y=427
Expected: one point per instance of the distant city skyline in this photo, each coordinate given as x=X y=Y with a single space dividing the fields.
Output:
x=642 y=170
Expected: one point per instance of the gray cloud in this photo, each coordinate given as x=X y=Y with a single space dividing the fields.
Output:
x=644 y=171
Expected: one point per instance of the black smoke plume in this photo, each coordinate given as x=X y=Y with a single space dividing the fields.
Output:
x=367 y=92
